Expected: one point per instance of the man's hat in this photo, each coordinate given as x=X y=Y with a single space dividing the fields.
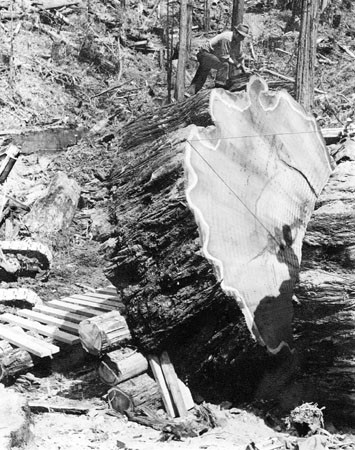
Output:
x=242 y=29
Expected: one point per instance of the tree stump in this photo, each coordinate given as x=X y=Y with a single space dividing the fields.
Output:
x=121 y=365
x=104 y=333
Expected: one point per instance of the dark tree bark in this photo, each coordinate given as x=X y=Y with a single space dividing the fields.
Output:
x=173 y=301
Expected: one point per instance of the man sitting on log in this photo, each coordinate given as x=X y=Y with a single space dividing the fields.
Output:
x=215 y=54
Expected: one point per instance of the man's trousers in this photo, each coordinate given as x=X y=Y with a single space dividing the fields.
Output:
x=208 y=61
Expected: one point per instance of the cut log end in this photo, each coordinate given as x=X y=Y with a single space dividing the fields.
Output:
x=104 y=333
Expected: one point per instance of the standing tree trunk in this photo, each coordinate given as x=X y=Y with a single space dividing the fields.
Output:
x=237 y=18
x=306 y=57
x=180 y=75
x=206 y=15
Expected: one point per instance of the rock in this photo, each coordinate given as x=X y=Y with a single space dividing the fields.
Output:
x=15 y=419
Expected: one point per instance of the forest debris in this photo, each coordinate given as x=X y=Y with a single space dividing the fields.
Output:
x=306 y=419
x=40 y=407
x=30 y=249
x=14 y=363
x=8 y=159
x=19 y=294
x=269 y=444
x=55 y=4
x=284 y=77
x=347 y=50
x=54 y=211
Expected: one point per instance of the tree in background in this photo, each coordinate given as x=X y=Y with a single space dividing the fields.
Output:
x=306 y=56
x=237 y=18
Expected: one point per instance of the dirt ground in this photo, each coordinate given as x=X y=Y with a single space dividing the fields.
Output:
x=45 y=84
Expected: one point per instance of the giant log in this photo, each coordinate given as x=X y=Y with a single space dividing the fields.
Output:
x=174 y=296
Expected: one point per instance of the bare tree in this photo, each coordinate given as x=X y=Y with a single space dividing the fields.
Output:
x=183 y=43
x=306 y=57
x=237 y=18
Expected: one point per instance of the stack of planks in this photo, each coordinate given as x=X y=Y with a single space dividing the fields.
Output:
x=58 y=320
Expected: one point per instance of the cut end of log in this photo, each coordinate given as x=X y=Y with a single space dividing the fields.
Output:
x=103 y=333
x=252 y=185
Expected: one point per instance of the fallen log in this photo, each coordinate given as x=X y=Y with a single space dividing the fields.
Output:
x=326 y=290
x=138 y=391
x=104 y=333
x=121 y=365
x=54 y=211
x=173 y=299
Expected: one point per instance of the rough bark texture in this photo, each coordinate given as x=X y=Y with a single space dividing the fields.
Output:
x=307 y=54
x=172 y=299
x=325 y=320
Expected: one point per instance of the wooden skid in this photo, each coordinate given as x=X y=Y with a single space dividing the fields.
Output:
x=111 y=290
x=89 y=301
x=103 y=296
x=29 y=343
x=45 y=330
x=65 y=325
x=76 y=318
x=72 y=307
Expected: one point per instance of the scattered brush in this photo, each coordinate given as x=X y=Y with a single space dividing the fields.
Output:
x=306 y=419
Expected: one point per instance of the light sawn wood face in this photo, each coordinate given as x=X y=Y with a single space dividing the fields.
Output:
x=252 y=182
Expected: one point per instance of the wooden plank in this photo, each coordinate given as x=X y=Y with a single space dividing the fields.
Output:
x=113 y=298
x=76 y=318
x=98 y=301
x=90 y=304
x=159 y=378
x=109 y=289
x=72 y=307
x=45 y=330
x=65 y=325
x=186 y=395
x=29 y=343
x=172 y=383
